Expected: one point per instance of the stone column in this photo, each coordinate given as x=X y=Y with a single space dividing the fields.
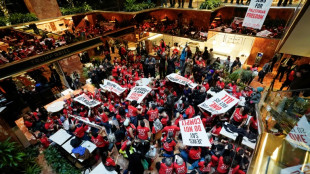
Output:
x=44 y=9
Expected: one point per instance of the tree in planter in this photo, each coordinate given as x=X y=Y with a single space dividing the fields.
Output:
x=3 y=8
x=14 y=159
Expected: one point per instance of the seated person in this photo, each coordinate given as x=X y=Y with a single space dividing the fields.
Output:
x=165 y=167
x=168 y=145
x=239 y=117
x=79 y=151
x=179 y=166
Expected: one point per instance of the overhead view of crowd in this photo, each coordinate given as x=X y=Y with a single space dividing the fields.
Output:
x=146 y=133
x=19 y=45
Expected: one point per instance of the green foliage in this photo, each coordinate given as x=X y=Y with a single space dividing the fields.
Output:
x=15 y=159
x=210 y=4
x=32 y=169
x=3 y=21
x=131 y=6
x=73 y=10
x=10 y=154
x=235 y=75
x=16 y=18
x=58 y=163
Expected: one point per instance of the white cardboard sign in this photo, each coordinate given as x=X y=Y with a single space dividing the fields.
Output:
x=181 y=80
x=138 y=93
x=194 y=133
x=112 y=87
x=256 y=13
x=300 y=134
x=299 y=169
x=85 y=100
x=220 y=103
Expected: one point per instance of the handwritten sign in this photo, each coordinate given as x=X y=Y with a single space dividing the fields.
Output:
x=85 y=100
x=300 y=134
x=299 y=169
x=181 y=80
x=220 y=103
x=112 y=87
x=193 y=133
x=138 y=93
x=256 y=14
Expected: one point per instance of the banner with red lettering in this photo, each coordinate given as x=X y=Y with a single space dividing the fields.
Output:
x=138 y=93
x=299 y=135
x=193 y=133
x=220 y=103
x=299 y=169
x=112 y=87
x=85 y=100
x=181 y=80
x=256 y=14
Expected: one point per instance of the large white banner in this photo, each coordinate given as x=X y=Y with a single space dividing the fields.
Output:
x=112 y=87
x=300 y=134
x=138 y=93
x=220 y=103
x=181 y=80
x=299 y=169
x=256 y=14
x=193 y=133
x=85 y=100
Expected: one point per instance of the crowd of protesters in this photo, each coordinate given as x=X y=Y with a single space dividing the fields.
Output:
x=22 y=45
x=136 y=130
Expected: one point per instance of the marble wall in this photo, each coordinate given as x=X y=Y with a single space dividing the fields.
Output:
x=43 y=8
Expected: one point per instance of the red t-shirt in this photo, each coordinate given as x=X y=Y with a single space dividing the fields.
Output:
x=28 y=123
x=194 y=154
x=253 y=123
x=142 y=132
x=165 y=169
x=99 y=141
x=110 y=162
x=238 y=117
x=132 y=111
x=172 y=128
x=161 y=91
x=80 y=131
x=190 y=111
x=104 y=117
x=222 y=168
x=204 y=168
x=44 y=141
x=168 y=146
x=216 y=130
x=153 y=114
x=180 y=169
x=234 y=170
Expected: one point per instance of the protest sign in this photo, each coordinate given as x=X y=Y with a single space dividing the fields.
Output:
x=86 y=121
x=181 y=80
x=256 y=13
x=193 y=133
x=299 y=169
x=138 y=93
x=85 y=100
x=220 y=103
x=112 y=87
x=300 y=134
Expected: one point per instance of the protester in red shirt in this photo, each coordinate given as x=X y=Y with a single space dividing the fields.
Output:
x=80 y=132
x=223 y=164
x=165 y=167
x=143 y=132
x=99 y=141
x=194 y=154
x=179 y=166
x=215 y=131
x=189 y=111
x=252 y=126
x=170 y=128
x=240 y=116
x=152 y=114
x=205 y=166
x=43 y=140
x=168 y=145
